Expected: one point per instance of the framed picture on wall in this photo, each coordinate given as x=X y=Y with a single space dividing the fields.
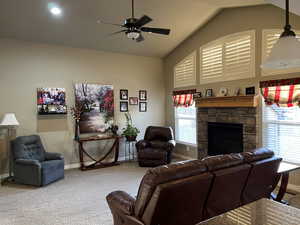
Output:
x=123 y=106
x=143 y=107
x=133 y=101
x=123 y=94
x=143 y=95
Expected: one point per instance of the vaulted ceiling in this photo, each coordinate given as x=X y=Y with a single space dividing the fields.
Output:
x=31 y=20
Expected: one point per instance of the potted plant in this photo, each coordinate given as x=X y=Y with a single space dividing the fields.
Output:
x=130 y=132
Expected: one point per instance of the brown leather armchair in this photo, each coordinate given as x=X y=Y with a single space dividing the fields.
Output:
x=157 y=146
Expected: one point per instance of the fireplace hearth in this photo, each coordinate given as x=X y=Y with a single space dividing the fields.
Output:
x=224 y=138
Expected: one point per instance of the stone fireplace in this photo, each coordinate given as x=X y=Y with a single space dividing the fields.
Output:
x=236 y=118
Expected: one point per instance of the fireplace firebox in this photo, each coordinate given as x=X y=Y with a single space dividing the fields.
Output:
x=224 y=138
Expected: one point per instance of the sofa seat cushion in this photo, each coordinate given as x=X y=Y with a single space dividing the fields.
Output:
x=152 y=153
x=52 y=170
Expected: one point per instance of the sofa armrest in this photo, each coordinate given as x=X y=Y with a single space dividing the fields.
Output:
x=121 y=201
x=28 y=162
x=142 y=144
x=53 y=156
x=172 y=143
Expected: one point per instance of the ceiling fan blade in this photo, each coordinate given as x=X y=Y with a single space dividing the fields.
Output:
x=140 y=38
x=113 y=24
x=143 y=21
x=156 y=30
x=118 y=32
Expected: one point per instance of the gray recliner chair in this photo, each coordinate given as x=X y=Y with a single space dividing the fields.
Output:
x=32 y=165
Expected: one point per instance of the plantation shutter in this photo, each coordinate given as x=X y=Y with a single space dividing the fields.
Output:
x=229 y=58
x=185 y=72
x=269 y=38
x=239 y=56
x=211 y=62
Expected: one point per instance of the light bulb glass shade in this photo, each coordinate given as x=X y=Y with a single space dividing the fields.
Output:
x=284 y=55
x=133 y=35
x=9 y=119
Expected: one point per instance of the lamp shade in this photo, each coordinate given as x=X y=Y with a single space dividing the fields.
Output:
x=284 y=55
x=9 y=119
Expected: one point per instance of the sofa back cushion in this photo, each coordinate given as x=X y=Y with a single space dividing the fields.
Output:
x=159 y=133
x=179 y=202
x=161 y=175
x=262 y=179
x=230 y=175
x=226 y=191
x=28 y=147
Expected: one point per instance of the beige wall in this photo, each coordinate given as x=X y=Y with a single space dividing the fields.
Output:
x=226 y=22
x=25 y=66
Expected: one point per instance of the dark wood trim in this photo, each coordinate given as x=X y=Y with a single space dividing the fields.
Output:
x=282 y=82
x=184 y=92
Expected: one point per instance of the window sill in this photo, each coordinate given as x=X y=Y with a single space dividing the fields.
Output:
x=186 y=144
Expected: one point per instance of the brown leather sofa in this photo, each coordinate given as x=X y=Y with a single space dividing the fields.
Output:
x=186 y=193
x=157 y=146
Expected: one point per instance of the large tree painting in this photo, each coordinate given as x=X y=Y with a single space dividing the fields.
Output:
x=98 y=103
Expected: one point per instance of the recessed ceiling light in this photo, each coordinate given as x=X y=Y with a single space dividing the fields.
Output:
x=56 y=11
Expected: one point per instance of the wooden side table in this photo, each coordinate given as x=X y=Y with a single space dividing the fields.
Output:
x=98 y=163
x=284 y=172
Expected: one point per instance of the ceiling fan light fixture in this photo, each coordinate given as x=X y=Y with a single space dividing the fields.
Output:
x=133 y=35
x=285 y=53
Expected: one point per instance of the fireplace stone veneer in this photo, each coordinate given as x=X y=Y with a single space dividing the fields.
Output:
x=247 y=116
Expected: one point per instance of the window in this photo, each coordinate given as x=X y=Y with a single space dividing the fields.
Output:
x=281 y=131
x=229 y=58
x=269 y=38
x=185 y=125
x=185 y=72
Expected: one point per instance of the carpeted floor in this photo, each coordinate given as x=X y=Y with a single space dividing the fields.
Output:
x=79 y=199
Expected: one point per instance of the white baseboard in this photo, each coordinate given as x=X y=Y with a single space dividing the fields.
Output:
x=182 y=156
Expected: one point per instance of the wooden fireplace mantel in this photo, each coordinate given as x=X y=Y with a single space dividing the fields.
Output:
x=227 y=102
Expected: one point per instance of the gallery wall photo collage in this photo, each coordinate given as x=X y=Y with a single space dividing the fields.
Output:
x=125 y=100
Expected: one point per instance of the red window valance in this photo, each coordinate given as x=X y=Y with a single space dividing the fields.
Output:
x=184 y=98
x=284 y=93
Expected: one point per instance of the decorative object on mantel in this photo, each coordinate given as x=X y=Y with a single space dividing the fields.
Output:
x=284 y=93
x=223 y=92
x=250 y=91
x=143 y=95
x=10 y=123
x=183 y=98
x=130 y=132
x=228 y=102
x=51 y=101
x=286 y=52
x=209 y=93
x=123 y=94
x=237 y=92
x=197 y=95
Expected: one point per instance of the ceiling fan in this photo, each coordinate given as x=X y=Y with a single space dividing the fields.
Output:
x=133 y=27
